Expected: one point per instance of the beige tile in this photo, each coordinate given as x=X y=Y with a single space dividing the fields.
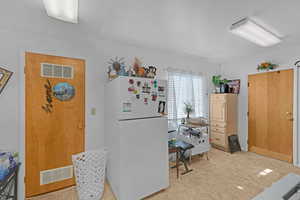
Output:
x=224 y=177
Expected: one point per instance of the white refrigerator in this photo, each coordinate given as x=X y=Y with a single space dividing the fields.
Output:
x=136 y=135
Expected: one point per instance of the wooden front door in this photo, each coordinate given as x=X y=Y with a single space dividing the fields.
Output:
x=270 y=122
x=55 y=120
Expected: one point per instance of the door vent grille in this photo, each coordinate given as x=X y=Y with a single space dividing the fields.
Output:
x=56 y=71
x=56 y=175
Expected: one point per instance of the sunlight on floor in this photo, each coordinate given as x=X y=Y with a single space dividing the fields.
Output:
x=240 y=187
x=265 y=172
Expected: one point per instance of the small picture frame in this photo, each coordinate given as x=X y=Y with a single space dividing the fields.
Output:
x=234 y=86
x=234 y=144
x=4 y=78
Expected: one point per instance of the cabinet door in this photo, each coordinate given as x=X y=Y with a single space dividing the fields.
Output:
x=218 y=110
x=218 y=139
x=218 y=129
x=270 y=121
x=218 y=124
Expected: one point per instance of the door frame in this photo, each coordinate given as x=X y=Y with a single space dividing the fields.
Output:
x=21 y=113
x=296 y=131
x=296 y=112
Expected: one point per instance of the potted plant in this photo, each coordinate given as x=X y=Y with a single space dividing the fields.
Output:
x=188 y=108
x=224 y=86
x=221 y=85
x=217 y=82
x=266 y=66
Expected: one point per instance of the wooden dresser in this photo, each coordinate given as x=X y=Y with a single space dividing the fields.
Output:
x=223 y=119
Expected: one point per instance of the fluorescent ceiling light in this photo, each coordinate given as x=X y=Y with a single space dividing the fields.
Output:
x=65 y=10
x=250 y=30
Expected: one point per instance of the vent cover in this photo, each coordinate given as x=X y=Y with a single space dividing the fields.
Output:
x=56 y=71
x=56 y=175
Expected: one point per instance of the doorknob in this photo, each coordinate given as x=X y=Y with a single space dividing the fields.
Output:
x=80 y=125
x=289 y=116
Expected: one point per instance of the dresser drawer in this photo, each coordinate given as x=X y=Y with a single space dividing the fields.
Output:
x=218 y=97
x=218 y=139
x=218 y=129
x=218 y=124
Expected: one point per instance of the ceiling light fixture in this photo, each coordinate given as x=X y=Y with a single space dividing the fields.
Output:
x=252 y=31
x=65 y=10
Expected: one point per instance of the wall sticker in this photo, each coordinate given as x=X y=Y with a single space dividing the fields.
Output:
x=63 y=91
x=4 y=78
x=48 y=106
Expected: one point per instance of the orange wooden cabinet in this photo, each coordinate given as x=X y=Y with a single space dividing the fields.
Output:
x=223 y=119
x=270 y=121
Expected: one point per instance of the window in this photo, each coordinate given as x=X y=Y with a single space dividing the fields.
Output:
x=186 y=88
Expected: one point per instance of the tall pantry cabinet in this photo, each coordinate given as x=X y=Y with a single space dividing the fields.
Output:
x=223 y=119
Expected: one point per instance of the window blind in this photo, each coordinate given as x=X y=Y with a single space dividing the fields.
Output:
x=186 y=88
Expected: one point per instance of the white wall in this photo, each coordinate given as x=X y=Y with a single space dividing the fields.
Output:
x=61 y=41
x=240 y=68
x=26 y=27
x=13 y=46
x=155 y=57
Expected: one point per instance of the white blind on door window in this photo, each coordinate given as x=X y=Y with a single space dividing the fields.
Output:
x=186 y=88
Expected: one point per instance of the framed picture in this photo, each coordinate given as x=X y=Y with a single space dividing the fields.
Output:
x=4 y=78
x=234 y=86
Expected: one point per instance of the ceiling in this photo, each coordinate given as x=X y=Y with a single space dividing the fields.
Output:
x=196 y=27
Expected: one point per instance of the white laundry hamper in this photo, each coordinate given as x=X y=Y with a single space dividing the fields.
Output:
x=89 y=169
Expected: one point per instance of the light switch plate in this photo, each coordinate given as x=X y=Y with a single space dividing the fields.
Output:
x=93 y=111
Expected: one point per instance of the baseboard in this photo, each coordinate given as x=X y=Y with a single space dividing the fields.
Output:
x=278 y=156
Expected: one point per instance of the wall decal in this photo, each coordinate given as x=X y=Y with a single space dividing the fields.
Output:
x=63 y=91
x=4 y=78
x=48 y=107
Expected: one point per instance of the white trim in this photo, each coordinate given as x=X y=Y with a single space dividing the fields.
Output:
x=21 y=183
x=296 y=119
